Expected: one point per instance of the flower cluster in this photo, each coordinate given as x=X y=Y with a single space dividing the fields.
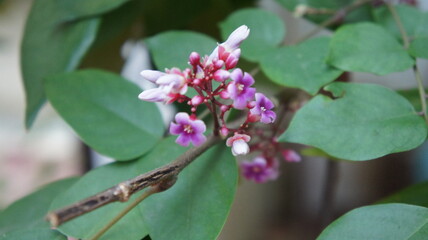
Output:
x=220 y=87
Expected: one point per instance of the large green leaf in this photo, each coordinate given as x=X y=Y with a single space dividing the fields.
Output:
x=365 y=121
x=266 y=31
x=172 y=49
x=50 y=46
x=385 y=221
x=415 y=195
x=104 y=110
x=412 y=95
x=301 y=66
x=197 y=206
x=367 y=47
x=87 y=225
x=414 y=20
x=29 y=212
x=33 y=234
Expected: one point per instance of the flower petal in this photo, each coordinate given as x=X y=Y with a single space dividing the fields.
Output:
x=198 y=126
x=268 y=117
x=175 y=129
x=183 y=140
x=182 y=118
x=198 y=139
x=240 y=147
x=151 y=75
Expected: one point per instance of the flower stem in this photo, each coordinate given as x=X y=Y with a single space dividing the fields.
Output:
x=406 y=43
x=122 y=213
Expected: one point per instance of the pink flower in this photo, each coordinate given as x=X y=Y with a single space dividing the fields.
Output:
x=189 y=130
x=239 y=144
x=259 y=170
x=229 y=51
x=291 y=155
x=263 y=108
x=171 y=85
x=239 y=89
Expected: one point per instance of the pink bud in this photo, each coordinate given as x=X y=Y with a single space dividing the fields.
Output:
x=291 y=155
x=224 y=94
x=236 y=37
x=251 y=104
x=253 y=117
x=224 y=108
x=218 y=64
x=194 y=58
x=224 y=131
x=196 y=100
x=221 y=75
x=233 y=58
x=151 y=75
x=197 y=81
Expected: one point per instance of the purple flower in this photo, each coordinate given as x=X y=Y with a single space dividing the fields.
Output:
x=188 y=130
x=263 y=108
x=239 y=89
x=239 y=144
x=259 y=171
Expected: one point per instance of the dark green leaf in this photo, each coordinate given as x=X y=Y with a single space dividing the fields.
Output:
x=172 y=49
x=50 y=46
x=367 y=47
x=266 y=31
x=33 y=234
x=412 y=95
x=197 y=206
x=301 y=66
x=415 y=195
x=385 y=221
x=104 y=110
x=365 y=122
x=95 y=181
x=414 y=20
x=29 y=212
x=418 y=48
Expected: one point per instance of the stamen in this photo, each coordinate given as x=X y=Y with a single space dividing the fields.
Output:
x=188 y=128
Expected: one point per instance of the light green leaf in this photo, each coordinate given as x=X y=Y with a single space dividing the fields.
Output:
x=87 y=225
x=367 y=47
x=104 y=110
x=172 y=49
x=418 y=48
x=29 y=212
x=50 y=46
x=33 y=234
x=365 y=122
x=301 y=66
x=197 y=206
x=412 y=95
x=385 y=221
x=266 y=31
x=414 y=20
x=415 y=194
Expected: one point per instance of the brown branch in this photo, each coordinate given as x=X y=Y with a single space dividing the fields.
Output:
x=123 y=191
x=339 y=14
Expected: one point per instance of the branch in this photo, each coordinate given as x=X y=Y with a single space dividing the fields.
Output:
x=339 y=14
x=124 y=190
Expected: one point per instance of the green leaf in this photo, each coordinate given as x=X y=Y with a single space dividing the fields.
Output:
x=367 y=47
x=385 y=221
x=414 y=20
x=266 y=31
x=50 y=47
x=418 y=48
x=301 y=66
x=412 y=95
x=104 y=110
x=172 y=49
x=33 y=234
x=29 y=212
x=365 y=121
x=415 y=195
x=95 y=181
x=197 y=206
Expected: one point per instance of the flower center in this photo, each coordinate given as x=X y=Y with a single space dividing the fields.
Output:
x=256 y=169
x=188 y=128
x=240 y=87
x=263 y=109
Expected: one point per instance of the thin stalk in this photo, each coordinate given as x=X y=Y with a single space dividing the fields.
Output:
x=399 y=23
x=122 y=213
